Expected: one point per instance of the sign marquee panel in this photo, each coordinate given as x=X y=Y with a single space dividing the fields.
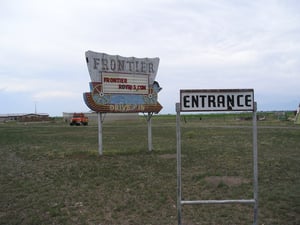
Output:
x=217 y=100
x=125 y=83
x=122 y=84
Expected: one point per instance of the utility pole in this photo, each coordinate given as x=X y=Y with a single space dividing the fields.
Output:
x=35 y=108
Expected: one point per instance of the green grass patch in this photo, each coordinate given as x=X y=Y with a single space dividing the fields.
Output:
x=51 y=173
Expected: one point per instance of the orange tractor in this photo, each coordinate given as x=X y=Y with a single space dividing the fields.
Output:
x=78 y=119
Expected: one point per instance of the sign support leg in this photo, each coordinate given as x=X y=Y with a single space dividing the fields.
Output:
x=255 y=167
x=149 y=121
x=100 y=145
x=178 y=137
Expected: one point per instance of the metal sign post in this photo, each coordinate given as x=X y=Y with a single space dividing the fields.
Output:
x=100 y=122
x=255 y=166
x=178 y=137
x=149 y=122
x=217 y=100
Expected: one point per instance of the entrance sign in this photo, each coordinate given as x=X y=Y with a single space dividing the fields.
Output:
x=122 y=84
x=217 y=100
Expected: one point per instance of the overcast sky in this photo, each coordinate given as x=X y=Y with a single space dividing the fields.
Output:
x=202 y=44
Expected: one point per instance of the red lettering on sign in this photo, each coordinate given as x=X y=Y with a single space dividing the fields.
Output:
x=114 y=80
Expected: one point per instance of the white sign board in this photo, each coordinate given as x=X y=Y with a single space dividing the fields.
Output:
x=101 y=62
x=114 y=83
x=217 y=100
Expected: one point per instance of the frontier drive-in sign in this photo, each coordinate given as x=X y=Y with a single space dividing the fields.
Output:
x=216 y=100
x=122 y=84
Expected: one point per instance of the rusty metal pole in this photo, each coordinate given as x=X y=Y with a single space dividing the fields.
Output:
x=149 y=121
x=100 y=145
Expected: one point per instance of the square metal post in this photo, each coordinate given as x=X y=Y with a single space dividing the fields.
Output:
x=255 y=166
x=100 y=144
x=149 y=122
x=178 y=137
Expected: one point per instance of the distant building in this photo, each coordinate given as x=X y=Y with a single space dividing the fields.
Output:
x=23 y=117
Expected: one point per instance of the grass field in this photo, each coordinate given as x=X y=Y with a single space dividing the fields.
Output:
x=51 y=173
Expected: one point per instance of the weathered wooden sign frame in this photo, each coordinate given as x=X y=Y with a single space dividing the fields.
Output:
x=231 y=100
x=122 y=85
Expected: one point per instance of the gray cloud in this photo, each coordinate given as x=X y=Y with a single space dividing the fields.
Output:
x=201 y=44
